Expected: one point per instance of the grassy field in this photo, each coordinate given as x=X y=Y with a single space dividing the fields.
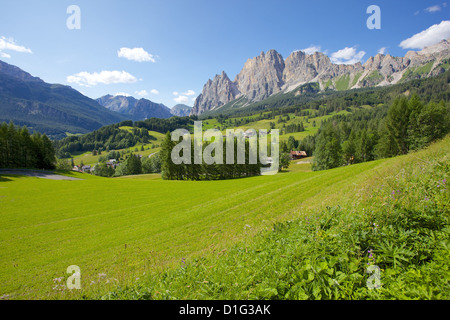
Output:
x=388 y=240
x=118 y=230
x=123 y=227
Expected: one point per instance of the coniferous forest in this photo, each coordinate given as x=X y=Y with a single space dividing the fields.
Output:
x=20 y=149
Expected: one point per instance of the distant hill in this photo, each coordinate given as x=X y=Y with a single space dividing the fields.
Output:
x=135 y=109
x=53 y=109
x=181 y=110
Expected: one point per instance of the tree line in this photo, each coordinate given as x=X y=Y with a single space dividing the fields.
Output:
x=408 y=124
x=205 y=171
x=104 y=139
x=20 y=149
x=132 y=164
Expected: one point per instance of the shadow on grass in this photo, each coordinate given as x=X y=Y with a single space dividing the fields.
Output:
x=4 y=179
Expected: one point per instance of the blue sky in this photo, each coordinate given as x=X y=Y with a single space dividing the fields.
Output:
x=166 y=50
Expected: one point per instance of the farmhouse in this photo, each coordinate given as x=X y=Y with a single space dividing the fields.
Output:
x=112 y=163
x=295 y=155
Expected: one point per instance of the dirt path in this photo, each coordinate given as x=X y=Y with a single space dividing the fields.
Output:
x=38 y=174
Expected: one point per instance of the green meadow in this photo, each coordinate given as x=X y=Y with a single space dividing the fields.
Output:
x=122 y=230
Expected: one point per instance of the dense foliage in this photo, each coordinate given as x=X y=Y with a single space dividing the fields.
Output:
x=104 y=139
x=205 y=171
x=19 y=149
x=366 y=135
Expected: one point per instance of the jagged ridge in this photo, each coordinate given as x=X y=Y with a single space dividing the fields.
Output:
x=269 y=74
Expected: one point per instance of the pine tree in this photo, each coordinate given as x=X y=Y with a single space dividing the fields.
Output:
x=167 y=166
x=328 y=152
x=397 y=123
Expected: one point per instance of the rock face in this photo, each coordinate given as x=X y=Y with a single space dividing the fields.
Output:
x=269 y=74
x=215 y=93
x=181 y=110
x=136 y=109
x=302 y=68
x=261 y=76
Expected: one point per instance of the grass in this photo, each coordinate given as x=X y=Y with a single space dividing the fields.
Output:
x=133 y=233
x=123 y=227
x=374 y=77
x=355 y=79
x=389 y=240
x=342 y=83
x=417 y=72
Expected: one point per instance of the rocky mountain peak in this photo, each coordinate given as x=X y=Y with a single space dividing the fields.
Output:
x=261 y=76
x=268 y=74
x=215 y=93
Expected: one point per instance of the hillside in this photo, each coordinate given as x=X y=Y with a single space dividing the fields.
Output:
x=135 y=109
x=125 y=228
x=269 y=74
x=181 y=110
x=53 y=109
x=386 y=240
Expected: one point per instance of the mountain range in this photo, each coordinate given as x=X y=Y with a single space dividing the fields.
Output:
x=53 y=109
x=181 y=110
x=134 y=109
x=58 y=110
x=269 y=74
x=141 y=109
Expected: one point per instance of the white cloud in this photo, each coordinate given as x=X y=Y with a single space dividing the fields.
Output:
x=434 y=8
x=311 y=49
x=8 y=44
x=142 y=93
x=428 y=37
x=184 y=97
x=347 y=56
x=4 y=55
x=154 y=91
x=123 y=94
x=135 y=54
x=104 y=77
x=382 y=50
x=189 y=93
x=181 y=99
